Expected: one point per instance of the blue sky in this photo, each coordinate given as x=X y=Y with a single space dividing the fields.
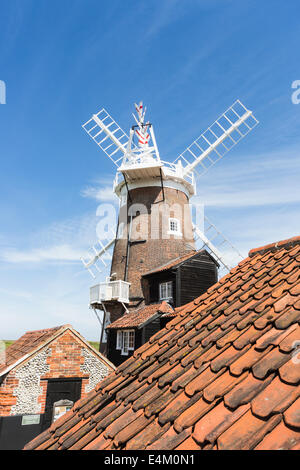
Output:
x=188 y=60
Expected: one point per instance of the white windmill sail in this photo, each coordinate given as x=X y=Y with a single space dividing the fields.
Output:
x=96 y=254
x=231 y=127
x=108 y=135
x=210 y=238
x=142 y=160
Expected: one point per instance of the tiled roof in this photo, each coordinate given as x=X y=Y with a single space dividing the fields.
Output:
x=27 y=343
x=223 y=374
x=32 y=340
x=139 y=317
x=173 y=263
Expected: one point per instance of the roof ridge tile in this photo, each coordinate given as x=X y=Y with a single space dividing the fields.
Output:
x=290 y=242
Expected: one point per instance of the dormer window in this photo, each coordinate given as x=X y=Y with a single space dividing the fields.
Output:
x=174 y=227
x=166 y=291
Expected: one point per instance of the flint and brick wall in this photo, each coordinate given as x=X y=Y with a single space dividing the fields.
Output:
x=24 y=389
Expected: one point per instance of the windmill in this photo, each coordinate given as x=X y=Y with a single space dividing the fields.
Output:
x=147 y=187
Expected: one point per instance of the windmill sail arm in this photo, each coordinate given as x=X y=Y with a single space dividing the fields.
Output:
x=217 y=244
x=95 y=254
x=109 y=133
x=212 y=248
x=231 y=127
x=216 y=144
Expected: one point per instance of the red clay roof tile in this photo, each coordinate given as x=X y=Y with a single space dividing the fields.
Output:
x=213 y=424
x=170 y=440
x=192 y=414
x=276 y=397
x=292 y=415
x=269 y=363
x=245 y=390
x=202 y=380
x=148 y=435
x=219 y=376
x=139 y=317
x=246 y=432
x=290 y=371
x=179 y=404
x=98 y=443
x=188 y=444
x=26 y=344
x=246 y=361
x=281 y=438
x=221 y=385
x=289 y=343
x=128 y=432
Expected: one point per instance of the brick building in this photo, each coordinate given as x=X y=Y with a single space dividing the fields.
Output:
x=42 y=368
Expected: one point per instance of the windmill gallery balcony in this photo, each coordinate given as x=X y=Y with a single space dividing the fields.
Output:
x=110 y=291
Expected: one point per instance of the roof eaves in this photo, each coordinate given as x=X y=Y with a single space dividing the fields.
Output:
x=180 y=262
x=149 y=320
x=49 y=340
x=34 y=351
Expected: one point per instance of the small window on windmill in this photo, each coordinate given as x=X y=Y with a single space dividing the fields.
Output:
x=174 y=227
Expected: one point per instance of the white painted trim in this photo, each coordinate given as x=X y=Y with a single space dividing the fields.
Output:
x=177 y=234
x=156 y=183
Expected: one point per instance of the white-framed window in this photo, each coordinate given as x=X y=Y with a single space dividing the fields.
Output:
x=174 y=227
x=166 y=290
x=125 y=341
x=119 y=340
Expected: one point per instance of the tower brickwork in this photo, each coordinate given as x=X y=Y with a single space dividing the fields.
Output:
x=146 y=240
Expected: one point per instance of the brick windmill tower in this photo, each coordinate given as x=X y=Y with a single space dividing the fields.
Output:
x=154 y=223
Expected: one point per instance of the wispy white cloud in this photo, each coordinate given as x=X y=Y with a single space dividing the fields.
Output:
x=257 y=183
x=60 y=242
x=16 y=293
x=58 y=253
x=100 y=194
x=101 y=190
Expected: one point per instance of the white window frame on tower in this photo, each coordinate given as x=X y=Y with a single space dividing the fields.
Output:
x=125 y=341
x=174 y=227
x=166 y=290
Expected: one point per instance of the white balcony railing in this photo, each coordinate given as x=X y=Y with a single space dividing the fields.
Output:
x=172 y=170
x=109 y=291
